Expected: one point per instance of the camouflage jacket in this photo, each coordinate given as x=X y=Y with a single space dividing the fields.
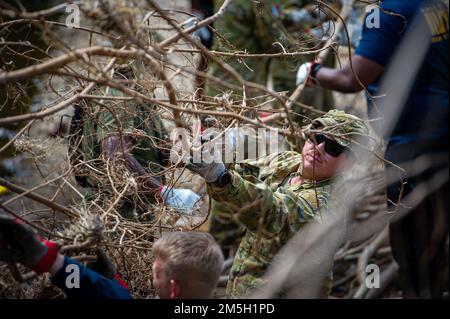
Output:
x=262 y=198
x=260 y=27
x=142 y=123
x=92 y=123
x=254 y=27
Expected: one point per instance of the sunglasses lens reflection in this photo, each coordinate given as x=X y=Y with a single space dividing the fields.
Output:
x=333 y=148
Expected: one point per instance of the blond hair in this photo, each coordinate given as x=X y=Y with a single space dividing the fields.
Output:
x=194 y=258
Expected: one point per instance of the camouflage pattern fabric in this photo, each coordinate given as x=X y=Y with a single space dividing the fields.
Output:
x=126 y=118
x=271 y=210
x=248 y=26
x=261 y=198
x=226 y=227
x=257 y=27
x=345 y=128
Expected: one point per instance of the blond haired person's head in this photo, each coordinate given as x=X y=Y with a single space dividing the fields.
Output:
x=187 y=265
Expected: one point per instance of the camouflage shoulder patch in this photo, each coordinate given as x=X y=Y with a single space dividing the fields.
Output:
x=311 y=198
x=314 y=201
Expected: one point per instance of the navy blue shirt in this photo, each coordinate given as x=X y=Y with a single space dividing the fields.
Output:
x=92 y=285
x=425 y=114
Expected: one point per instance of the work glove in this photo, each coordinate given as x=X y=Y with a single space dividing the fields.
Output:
x=307 y=72
x=19 y=244
x=210 y=171
x=204 y=34
x=183 y=200
x=209 y=164
x=105 y=267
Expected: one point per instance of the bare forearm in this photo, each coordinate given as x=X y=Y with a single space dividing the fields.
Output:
x=115 y=149
x=338 y=80
x=135 y=167
x=350 y=79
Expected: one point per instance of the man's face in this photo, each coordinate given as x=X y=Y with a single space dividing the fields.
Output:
x=161 y=282
x=319 y=165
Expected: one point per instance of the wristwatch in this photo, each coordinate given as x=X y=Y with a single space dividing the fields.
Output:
x=223 y=180
x=315 y=67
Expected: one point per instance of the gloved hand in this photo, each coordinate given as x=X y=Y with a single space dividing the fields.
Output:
x=183 y=200
x=103 y=265
x=211 y=172
x=204 y=34
x=307 y=72
x=209 y=165
x=19 y=244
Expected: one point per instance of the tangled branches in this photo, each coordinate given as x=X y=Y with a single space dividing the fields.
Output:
x=78 y=68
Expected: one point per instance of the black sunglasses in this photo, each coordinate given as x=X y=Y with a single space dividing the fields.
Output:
x=331 y=147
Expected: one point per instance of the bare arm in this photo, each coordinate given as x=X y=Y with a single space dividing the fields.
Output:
x=113 y=148
x=343 y=80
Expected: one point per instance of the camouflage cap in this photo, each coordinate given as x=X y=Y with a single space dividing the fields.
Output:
x=343 y=127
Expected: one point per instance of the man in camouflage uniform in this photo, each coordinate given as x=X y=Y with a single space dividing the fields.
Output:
x=126 y=136
x=277 y=194
x=262 y=27
x=254 y=27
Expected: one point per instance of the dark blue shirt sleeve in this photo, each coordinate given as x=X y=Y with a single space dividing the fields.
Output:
x=92 y=285
x=379 y=43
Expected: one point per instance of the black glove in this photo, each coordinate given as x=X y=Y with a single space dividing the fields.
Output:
x=202 y=10
x=19 y=244
x=103 y=265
